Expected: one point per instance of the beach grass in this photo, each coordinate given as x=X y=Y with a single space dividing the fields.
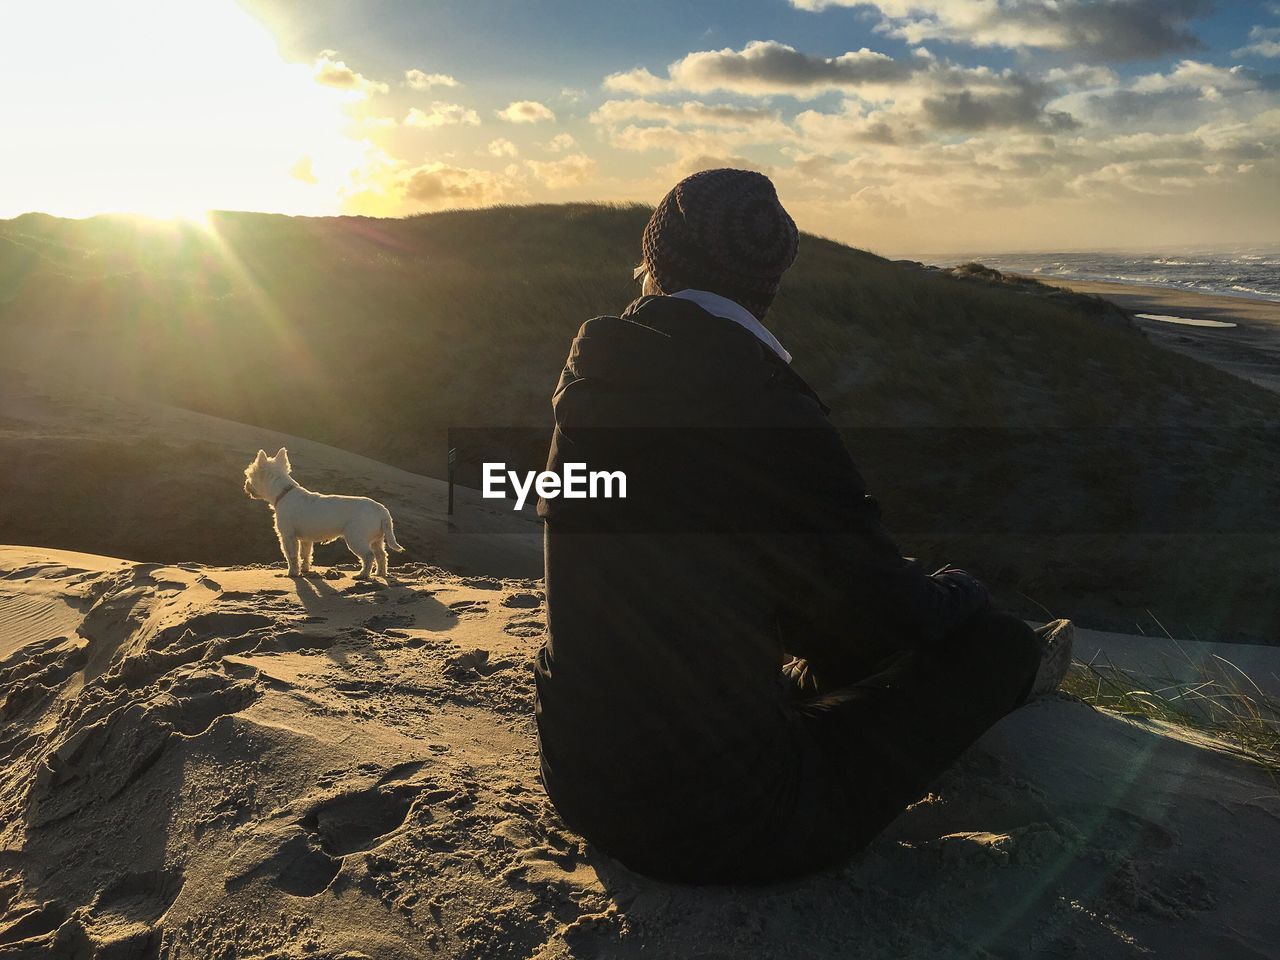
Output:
x=1214 y=698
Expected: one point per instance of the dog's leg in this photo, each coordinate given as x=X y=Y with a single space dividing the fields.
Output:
x=305 y=555
x=380 y=557
x=366 y=564
x=365 y=555
x=290 y=547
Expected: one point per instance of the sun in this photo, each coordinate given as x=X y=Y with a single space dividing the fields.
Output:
x=166 y=109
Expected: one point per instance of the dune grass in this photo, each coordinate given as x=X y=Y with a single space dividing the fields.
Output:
x=1213 y=697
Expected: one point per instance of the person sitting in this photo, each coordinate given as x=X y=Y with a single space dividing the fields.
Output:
x=743 y=679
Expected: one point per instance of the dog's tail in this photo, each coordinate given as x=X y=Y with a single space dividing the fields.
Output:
x=389 y=532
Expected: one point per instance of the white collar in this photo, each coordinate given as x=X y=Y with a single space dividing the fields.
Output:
x=719 y=306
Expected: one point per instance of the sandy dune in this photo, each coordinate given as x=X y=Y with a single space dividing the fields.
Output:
x=220 y=762
x=143 y=480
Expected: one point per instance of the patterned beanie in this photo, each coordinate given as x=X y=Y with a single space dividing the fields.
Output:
x=724 y=231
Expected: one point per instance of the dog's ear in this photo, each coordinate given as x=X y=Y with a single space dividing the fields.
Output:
x=282 y=456
x=262 y=457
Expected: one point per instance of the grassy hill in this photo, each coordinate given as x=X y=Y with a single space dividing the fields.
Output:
x=1033 y=438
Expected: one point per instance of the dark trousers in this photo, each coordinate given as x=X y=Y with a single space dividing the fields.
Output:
x=878 y=743
x=868 y=748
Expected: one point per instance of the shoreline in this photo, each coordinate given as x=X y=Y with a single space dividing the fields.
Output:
x=1170 y=300
x=1249 y=350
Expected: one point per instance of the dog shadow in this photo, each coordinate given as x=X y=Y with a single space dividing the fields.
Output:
x=317 y=588
x=317 y=596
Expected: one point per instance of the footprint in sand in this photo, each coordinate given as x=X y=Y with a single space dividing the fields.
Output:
x=204 y=696
x=467 y=665
x=470 y=608
x=355 y=822
x=530 y=627
x=300 y=849
x=287 y=857
x=481 y=583
x=522 y=601
x=139 y=897
x=379 y=622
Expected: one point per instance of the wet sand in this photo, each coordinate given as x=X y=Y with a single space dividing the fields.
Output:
x=1251 y=349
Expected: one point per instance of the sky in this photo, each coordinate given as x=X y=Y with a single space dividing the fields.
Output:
x=901 y=126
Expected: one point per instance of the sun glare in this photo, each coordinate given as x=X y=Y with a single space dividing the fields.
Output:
x=166 y=109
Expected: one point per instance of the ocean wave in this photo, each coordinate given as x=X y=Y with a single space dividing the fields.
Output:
x=1253 y=273
x=1254 y=292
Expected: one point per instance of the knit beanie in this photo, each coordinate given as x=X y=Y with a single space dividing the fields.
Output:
x=725 y=231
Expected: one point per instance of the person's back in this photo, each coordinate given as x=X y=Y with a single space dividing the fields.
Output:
x=660 y=683
x=669 y=734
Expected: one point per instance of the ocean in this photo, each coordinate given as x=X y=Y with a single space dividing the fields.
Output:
x=1252 y=272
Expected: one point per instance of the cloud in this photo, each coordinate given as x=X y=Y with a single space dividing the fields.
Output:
x=937 y=94
x=526 y=111
x=688 y=129
x=1090 y=29
x=613 y=112
x=696 y=163
x=1010 y=169
x=874 y=200
x=1159 y=177
x=1181 y=95
x=850 y=126
x=503 y=148
x=1022 y=105
x=1263 y=42
x=441 y=114
x=922 y=139
x=419 y=80
x=765 y=67
x=638 y=80
x=560 y=143
x=684 y=141
x=568 y=171
x=932 y=99
x=437 y=185
x=1194 y=75
x=334 y=73
x=1081 y=75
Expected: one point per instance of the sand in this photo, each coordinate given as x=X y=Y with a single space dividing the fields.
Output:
x=204 y=761
x=1250 y=349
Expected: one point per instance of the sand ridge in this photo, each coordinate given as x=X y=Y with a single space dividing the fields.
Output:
x=221 y=762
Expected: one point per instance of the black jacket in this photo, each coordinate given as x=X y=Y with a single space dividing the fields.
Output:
x=746 y=535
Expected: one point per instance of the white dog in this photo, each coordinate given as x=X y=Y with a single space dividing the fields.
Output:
x=304 y=519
